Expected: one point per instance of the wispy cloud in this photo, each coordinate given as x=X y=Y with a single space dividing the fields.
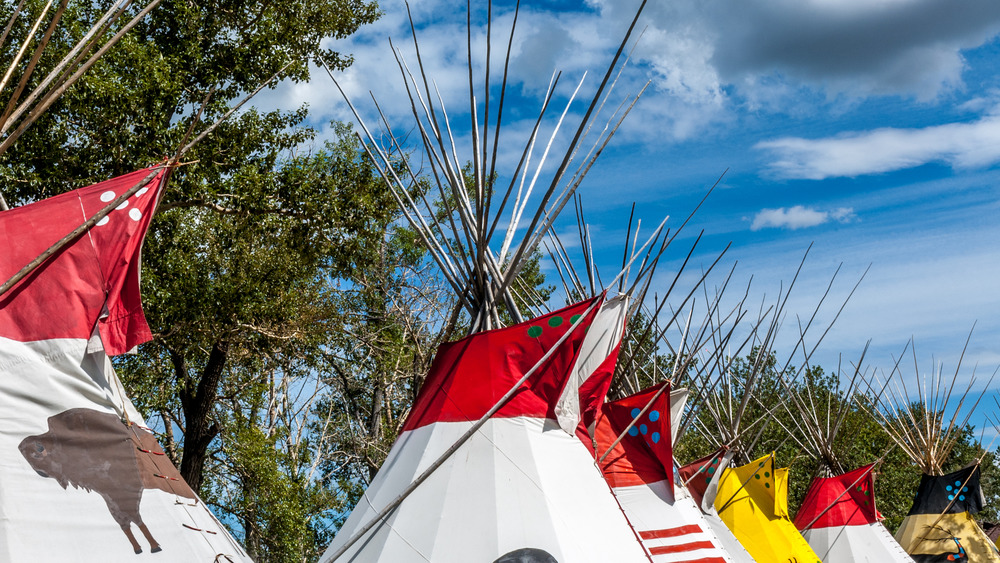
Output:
x=960 y=145
x=798 y=217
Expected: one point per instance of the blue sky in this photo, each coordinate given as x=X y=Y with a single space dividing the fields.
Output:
x=869 y=128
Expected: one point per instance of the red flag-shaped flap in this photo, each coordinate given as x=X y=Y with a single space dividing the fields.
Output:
x=644 y=454
x=700 y=473
x=595 y=389
x=93 y=280
x=470 y=376
x=844 y=500
x=628 y=463
x=650 y=409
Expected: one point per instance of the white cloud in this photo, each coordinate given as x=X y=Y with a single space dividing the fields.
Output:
x=702 y=50
x=961 y=145
x=799 y=217
x=704 y=57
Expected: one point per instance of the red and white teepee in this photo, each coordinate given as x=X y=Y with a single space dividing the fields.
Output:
x=81 y=477
x=838 y=516
x=839 y=520
x=639 y=469
x=520 y=486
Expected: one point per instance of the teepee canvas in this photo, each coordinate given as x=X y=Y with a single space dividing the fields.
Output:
x=639 y=469
x=839 y=520
x=520 y=488
x=838 y=516
x=689 y=475
x=753 y=501
x=940 y=526
x=81 y=476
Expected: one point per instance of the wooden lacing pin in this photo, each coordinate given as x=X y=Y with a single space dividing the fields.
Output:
x=200 y=530
x=145 y=451
x=165 y=477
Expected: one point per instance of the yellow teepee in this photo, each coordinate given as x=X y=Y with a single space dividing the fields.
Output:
x=753 y=502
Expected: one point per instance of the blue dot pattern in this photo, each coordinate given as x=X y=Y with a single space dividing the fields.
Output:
x=958 y=484
x=652 y=437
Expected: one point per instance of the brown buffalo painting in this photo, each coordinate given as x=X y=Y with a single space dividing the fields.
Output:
x=99 y=453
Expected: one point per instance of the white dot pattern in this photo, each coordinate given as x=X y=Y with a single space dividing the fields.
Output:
x=134 y=214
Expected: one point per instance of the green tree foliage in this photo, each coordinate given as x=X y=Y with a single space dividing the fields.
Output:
x=248 y=309
x=255 y=236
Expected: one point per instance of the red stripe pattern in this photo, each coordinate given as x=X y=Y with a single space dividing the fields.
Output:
x=681 y=544
x=671 y=532
x=680 y=548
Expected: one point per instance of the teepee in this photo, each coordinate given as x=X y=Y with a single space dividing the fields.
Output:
x=517 y=483
x=81 y=476
x=636 y=433
x=493 y=461
x=838 y=516
x=751 y=499
x=940 y=525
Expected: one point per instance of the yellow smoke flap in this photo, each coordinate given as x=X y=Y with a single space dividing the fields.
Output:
x=753 y=502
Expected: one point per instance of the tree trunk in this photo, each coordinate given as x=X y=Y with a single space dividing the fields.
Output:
x=197 y=404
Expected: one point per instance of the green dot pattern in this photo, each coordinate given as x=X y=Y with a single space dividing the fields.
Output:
x=555 y=321
x=575 y=318
x=535 y=331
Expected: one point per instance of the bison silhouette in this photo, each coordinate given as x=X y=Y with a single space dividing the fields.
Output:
x=100 y=453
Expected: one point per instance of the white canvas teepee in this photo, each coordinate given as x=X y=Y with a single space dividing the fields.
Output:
x=81 y=477
x=520 y=488
x=639 y=469
x=494 y=462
